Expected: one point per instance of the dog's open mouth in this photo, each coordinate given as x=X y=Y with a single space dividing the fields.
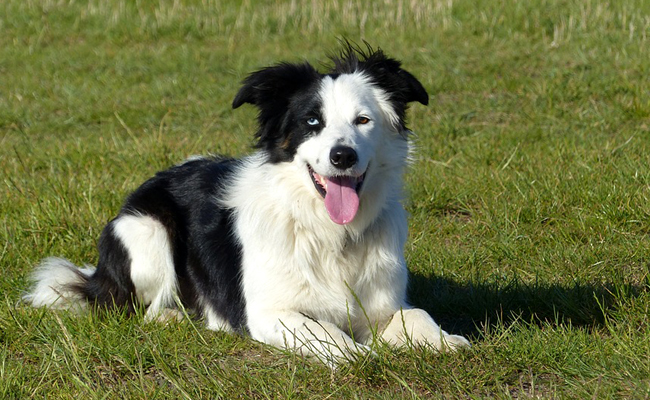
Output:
x=341 y=194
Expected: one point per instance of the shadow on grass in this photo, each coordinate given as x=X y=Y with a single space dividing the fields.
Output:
x=465 y=308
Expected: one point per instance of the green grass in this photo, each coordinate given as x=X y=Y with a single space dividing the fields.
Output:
x=530 y=189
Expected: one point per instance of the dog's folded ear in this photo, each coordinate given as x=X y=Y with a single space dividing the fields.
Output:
x=389 y=75
x=413 y=89
x=272 y=90
x=273 y=86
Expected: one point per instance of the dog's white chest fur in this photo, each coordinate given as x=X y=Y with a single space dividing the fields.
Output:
x=326 y=271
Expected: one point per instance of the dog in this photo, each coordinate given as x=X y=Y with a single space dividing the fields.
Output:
x=299 y=245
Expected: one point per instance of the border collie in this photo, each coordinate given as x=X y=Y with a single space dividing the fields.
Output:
x=299 y=245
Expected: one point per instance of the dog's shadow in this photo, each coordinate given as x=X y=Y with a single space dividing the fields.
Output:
x=469 y=308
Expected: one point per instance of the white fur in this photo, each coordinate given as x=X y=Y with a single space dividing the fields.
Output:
x=416 y=327
x=345 y=99
x=152 y=265
x=301 y=272
x=53 y=278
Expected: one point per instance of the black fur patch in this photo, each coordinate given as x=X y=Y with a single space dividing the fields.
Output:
x=111 y=284
x=206 y=254
x=284 y=95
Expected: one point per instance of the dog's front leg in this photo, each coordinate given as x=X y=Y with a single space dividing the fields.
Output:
x=305 y=335
x=416 y=327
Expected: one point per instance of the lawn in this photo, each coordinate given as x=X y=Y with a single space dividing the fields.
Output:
x=529 y=189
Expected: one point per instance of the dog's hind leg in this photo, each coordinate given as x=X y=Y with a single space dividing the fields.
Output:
x=151 y=263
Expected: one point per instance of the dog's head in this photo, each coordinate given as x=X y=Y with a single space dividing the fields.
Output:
x=343 y=127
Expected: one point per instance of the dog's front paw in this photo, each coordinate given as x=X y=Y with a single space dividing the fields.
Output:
x=164 y=316
x=453 y=342
x=416 y=327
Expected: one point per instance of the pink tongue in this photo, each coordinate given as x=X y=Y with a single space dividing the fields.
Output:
x=341 y=200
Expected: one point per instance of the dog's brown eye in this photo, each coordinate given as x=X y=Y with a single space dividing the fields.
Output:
x=362 y=120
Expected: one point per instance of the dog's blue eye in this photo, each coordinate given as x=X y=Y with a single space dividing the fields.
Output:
x=313 y=122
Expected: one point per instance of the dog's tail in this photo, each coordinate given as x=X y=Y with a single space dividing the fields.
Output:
x=58 y=283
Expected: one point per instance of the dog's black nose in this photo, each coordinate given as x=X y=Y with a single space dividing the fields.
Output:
x=343 y=157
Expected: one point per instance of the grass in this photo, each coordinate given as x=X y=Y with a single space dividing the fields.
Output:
x=530 y=189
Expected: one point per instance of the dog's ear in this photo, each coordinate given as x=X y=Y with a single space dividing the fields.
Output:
x=385 y=72
x=273 y=90
x=274 y=86
x=388 y=74
x=413 y=89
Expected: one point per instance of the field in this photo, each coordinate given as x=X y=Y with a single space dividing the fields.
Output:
x=529 y=190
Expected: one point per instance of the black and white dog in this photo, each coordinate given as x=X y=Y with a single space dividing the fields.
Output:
x=300 y=244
